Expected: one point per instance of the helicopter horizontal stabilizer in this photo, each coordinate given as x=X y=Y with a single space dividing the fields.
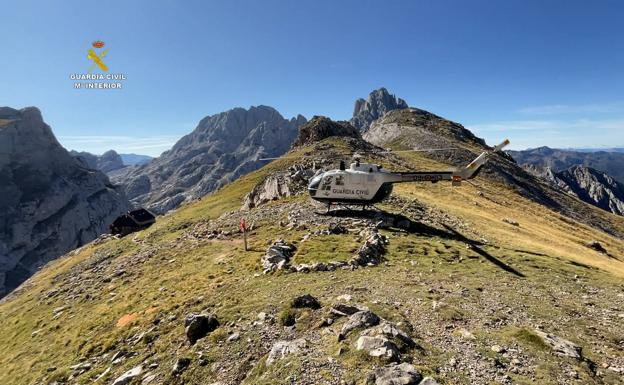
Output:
x=475 y=166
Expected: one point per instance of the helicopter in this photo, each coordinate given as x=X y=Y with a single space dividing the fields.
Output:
x=364 y=184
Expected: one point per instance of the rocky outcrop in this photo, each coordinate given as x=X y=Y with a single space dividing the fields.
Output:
x=273 y=188
x=321 y=127
x=222 y=148
x=279 y=185
x=197 y=326
x=591 y=186
x=107 y=162
x=49 y=202
x=379 y=102
x=559 y=345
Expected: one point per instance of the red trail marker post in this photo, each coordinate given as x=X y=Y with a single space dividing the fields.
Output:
x=243 y=228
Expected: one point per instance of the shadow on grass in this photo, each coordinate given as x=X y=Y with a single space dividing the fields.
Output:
x=399 y=222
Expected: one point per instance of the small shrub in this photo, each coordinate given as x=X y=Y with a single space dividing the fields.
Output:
x=287 y=317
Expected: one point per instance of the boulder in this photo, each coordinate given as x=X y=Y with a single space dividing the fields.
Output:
x=361 y=320
x=343 y=310
x=390 y=330
x=128 y=376
x=281 y=349
x=372 y=251
x=278 y=256
x=395 y=374
x=305 y=301
x=273 y=188
x=378 y=347
x=180 y=365
x=199 y=325
x=595 y=245
x=337 y=229
x=560 y=346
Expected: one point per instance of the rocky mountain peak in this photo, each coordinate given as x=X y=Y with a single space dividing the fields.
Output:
x=222 y=147
x=321 y=127
x=32 y=129
x=378 y=103
x=49 y=202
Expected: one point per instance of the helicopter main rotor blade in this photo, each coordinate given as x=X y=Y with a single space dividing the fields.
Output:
x=419 y=150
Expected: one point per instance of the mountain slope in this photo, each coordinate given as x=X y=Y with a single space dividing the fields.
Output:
x=558 y=160
x=222 y=148
x=472 y=291
x=591 y=186
x=49 y=202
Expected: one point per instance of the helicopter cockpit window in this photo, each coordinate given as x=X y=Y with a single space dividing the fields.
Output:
x=314 y=183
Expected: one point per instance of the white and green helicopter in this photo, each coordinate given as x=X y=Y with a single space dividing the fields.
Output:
x=365 y=184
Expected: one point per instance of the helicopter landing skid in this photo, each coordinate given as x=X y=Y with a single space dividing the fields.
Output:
x=348 y=208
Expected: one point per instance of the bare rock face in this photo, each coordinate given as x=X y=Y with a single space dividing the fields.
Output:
x=222 y=148
x=379 y=102
x=395 y=374
x=282 y=349
x=321 y=127
x=273 y=188
x=592 y=186
x=50 y=203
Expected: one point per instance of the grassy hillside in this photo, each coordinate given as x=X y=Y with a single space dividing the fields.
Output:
x=463 y=282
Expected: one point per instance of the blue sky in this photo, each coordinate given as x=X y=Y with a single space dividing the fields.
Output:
x=538 y=72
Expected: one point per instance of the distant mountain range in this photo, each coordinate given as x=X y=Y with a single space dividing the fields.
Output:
x=135 y=159
x=110 y=160
x=611 y=163
x=611 y=149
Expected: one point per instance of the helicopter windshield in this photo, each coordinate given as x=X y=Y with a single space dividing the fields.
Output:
x=314 y=183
